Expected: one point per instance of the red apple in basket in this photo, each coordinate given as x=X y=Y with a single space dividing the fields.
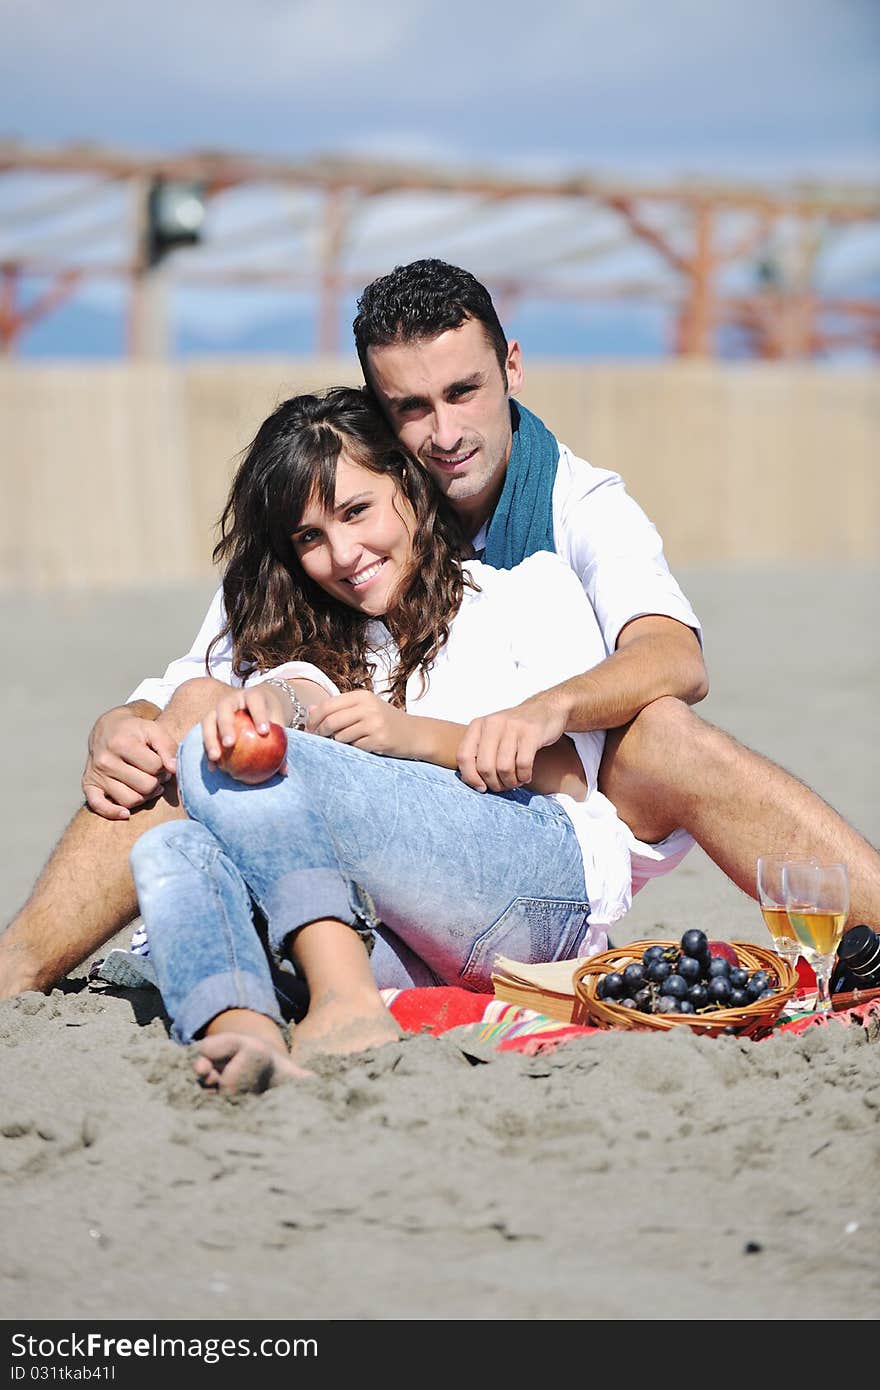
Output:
x=253 y=757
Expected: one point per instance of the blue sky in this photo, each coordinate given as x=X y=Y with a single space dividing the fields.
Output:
x=766 y=89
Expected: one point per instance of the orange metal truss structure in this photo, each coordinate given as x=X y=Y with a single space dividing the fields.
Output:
x=729 y=262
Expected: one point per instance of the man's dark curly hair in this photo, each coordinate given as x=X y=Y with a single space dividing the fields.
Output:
x=421 y=300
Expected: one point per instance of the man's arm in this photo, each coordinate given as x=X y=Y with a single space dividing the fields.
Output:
x=366 y=721
x=132 y=754
x=655 y=656
x=647 y=624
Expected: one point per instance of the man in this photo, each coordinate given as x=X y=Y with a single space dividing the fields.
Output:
x=436 y=357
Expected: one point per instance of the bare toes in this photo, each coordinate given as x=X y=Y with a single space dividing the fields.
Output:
x=238 y=1064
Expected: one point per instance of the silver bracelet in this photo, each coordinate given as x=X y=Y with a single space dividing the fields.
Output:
x=300 y=713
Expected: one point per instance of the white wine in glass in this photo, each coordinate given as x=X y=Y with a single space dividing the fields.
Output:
x=817 y=903
x=773 y=909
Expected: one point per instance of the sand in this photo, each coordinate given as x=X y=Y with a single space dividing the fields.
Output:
x=624 y=1176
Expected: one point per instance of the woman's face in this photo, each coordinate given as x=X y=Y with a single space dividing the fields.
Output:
x=358 y=552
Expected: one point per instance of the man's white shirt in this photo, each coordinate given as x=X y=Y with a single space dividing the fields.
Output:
x=613 y=548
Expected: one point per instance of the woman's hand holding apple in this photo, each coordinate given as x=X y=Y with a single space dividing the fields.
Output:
x=244 y=735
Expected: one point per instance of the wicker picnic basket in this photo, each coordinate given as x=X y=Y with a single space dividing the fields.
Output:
x=751 y=1021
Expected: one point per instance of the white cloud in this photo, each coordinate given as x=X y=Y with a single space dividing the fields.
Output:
x=683 y=82
x=265 y=50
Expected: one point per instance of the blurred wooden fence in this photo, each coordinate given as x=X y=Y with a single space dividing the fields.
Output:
x=114 y=473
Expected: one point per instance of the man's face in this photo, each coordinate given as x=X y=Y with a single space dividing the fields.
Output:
x=447 y=401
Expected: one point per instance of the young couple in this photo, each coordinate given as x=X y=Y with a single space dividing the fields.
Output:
x=615 y=650
x=342 y=554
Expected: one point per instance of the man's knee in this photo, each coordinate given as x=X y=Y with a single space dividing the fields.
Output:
x=659 y=734
x=655 y=764
x=190 y=703
x=667 y=745
x=667 y=721
x=642 y=769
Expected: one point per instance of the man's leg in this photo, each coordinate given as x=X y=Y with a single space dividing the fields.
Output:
x=85 y=893
x=670 y=768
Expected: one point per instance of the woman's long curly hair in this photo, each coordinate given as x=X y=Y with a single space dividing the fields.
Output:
x=275 y=612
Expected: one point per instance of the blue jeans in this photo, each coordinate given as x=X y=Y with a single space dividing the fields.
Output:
x=444 y=877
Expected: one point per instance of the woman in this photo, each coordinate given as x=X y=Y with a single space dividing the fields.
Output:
x=354 y=618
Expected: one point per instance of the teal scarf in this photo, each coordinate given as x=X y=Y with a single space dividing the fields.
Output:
x=523 y=519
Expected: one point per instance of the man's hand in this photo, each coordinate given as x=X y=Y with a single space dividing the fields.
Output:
x=364 y=720
x=498 y=751
x=130 y=760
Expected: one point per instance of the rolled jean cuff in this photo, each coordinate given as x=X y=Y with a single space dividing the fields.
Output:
x=311 y=895
x=234 y=989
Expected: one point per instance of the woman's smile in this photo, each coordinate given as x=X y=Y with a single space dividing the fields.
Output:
x=365 y=576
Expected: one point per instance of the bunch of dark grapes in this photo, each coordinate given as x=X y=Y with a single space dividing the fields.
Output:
x=684 y=979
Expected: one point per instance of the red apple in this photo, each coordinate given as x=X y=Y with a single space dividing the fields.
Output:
x=254 y=757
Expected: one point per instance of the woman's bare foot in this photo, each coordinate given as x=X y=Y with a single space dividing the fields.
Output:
x=237 y=1064
x=342 y=1024
x=346 y=1013
x=244 y=1051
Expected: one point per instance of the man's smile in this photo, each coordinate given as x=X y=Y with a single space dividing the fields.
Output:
x=450 y=461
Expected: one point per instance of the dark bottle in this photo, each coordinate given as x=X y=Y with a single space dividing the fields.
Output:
x=858 y=961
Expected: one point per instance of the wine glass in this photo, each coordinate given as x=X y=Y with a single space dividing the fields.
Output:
x=817 y=902
x=772 y=902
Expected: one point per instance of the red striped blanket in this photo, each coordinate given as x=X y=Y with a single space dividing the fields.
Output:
x=509 y=1028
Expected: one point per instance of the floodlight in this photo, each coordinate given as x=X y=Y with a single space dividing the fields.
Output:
x=175 y=216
